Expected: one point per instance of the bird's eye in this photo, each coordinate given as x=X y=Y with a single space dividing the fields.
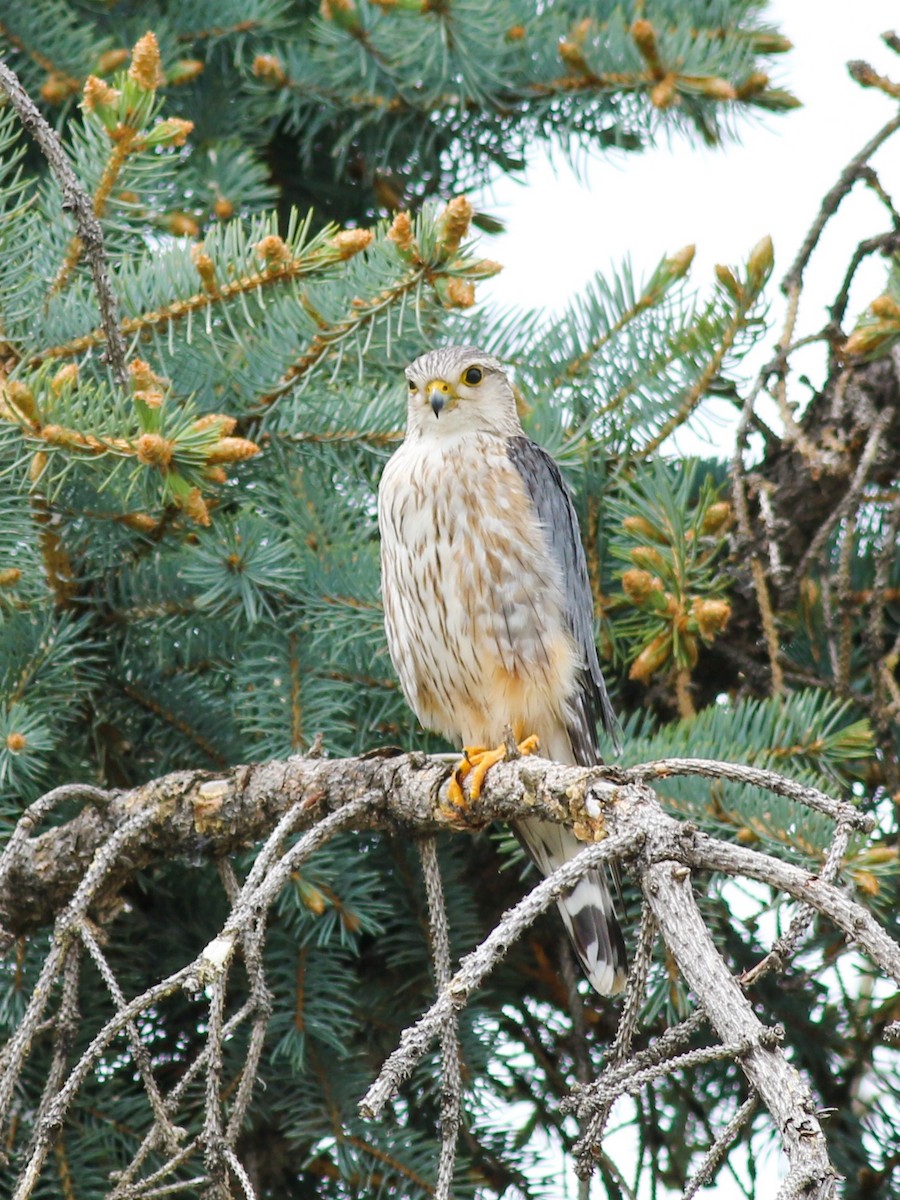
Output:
x=473 y=375
x=412 y=384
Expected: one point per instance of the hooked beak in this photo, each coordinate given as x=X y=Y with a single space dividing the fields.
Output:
x=438 y=393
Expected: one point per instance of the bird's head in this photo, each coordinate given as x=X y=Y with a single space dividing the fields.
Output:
x=460 y=389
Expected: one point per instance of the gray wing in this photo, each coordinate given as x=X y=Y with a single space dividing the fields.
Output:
x=553 y=503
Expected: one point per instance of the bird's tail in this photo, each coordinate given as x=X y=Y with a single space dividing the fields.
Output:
x=587 y=911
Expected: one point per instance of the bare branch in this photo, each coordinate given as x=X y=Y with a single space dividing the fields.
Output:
x=782 y=1090
x=229 y=811
x=587 y=1147
x=451 y=1076
x=848 y=177
x=170 y=1135
x=315 y=798
x=35 y=813
x=786 y=946
x=720 y=1148
x=57 y=1110
x=709 y=768
x=476 y=966
x=857 y=922
x=78 y=202
x=867 y=458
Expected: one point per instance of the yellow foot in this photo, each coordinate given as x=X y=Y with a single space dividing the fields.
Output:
x=476 y=763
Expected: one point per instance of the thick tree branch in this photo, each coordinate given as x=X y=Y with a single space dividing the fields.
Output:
x=75 y=872
x=193 y=812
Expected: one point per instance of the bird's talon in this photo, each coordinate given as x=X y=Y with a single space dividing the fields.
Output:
x=530 y=745
x=455 y=794
x=476 y=763
x=480 y=768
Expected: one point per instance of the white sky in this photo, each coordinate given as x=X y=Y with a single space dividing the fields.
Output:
x=562 y=230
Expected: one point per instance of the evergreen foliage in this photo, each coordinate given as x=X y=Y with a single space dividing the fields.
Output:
x=189 y=566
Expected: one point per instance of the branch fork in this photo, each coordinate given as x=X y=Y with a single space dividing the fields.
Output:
x=294 y=808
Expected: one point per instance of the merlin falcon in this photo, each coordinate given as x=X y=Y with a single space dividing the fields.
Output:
x=488 y=609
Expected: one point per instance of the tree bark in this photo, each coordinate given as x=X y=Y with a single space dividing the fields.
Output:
x=76 y=870
x=667 y=885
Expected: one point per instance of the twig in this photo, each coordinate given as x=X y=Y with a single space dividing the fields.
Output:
x=125 y=1187
x=783 y=1091
x=172 y=1137
x=631 y=1080
x=451 y=1078
x=57 y=1110
x=35 y=813
x=658 y=1051
x=103 y=862
x=589 y=1100
x=792 y=283
x=720 y=1147
x=78 y=202
x=258 y=893
x=575 y=1004
x=866 y=459
x=66 y=1027
x=885 y=242
x=856 y=922
x=770 y=627
x=580 y=1050
x=213 y=1144
x=239 y=1173
x=635 y=990
x=771 y=781
x=171 y=1189
x=475 y=966
x=832 y=200
x=261 y=1001
x=785 y=947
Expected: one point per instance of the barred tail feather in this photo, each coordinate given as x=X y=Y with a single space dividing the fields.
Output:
x=587 y=911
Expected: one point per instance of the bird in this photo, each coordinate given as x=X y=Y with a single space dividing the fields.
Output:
x=488 y=608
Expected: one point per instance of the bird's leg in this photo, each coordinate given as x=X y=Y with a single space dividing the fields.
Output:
x=478 y=760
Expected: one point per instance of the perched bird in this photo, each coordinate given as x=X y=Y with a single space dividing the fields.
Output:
x=488 y=606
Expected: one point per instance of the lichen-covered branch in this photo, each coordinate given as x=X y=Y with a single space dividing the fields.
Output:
x=779 y=1085
x=72 y=874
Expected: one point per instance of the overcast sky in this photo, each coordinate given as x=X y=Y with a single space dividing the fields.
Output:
x=647 y=205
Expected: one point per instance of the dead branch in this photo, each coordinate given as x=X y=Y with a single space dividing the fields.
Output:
x=73 y=874
x=451 y=1075
x=221 y=813
x=853 y=171
x=76 y=201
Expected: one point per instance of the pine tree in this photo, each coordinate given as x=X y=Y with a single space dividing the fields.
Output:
x=194 y=414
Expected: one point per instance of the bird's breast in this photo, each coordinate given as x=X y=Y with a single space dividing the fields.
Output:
x=472 y=595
